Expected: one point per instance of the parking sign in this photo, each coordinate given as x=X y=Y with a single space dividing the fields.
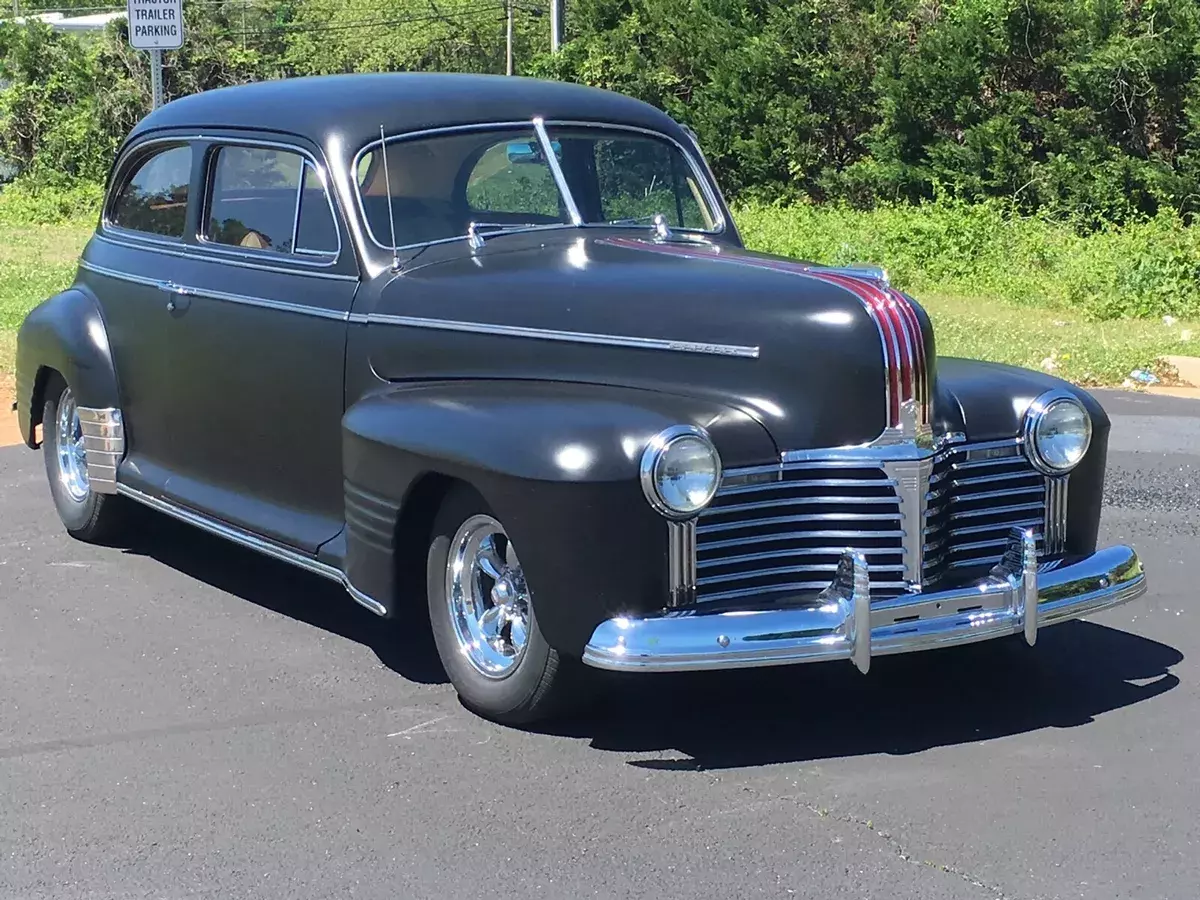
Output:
x=155 y=24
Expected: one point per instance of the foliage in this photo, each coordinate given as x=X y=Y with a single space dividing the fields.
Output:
x=1146 y=268
x=27 y=203
x=1086 y=109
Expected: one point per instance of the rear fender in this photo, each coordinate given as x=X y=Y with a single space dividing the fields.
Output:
x=65 y=334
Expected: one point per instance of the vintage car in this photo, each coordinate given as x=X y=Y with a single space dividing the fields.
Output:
x=493 y=346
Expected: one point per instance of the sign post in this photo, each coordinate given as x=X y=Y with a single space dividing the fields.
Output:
x=155 y=25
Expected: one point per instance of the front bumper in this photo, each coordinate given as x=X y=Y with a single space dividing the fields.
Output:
x=1018 y=597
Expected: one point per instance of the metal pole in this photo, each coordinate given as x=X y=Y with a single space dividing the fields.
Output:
x=508 y=27
x=556 y=24
x=156 y=84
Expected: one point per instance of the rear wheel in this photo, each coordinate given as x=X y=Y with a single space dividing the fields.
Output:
x=87 y=515
x=484 y=624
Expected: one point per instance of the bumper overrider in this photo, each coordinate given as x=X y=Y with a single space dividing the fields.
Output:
x=1017 y=597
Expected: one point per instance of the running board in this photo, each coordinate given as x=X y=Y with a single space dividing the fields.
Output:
x=253 y=542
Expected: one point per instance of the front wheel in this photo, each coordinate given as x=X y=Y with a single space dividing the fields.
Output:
x=484 y=624
x=87 y=515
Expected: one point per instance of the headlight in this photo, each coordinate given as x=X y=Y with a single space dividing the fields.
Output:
x=1058 y=431
x=680 y=471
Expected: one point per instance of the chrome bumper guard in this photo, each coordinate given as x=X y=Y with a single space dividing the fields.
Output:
x=842 y=623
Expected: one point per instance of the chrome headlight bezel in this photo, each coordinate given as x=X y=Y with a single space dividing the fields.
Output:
x=657 y=451
x=1040 y=411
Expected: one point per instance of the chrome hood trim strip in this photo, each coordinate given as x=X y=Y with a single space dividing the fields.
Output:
x=573 y=337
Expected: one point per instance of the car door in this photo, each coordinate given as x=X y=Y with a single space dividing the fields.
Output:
x=135 y=252
x=259 y=345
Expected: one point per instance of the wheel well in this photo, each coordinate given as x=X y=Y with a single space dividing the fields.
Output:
x=413 y=527
x=45 y=375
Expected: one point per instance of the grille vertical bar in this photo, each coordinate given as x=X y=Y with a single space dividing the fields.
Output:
x=977 y=494
x=1054 y=527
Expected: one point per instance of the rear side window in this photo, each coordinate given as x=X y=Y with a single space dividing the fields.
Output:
x=268 y=199
x=154 y=198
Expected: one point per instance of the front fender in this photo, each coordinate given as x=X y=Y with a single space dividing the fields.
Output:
x=987 y=401
x=558 y=465
x=65 y=333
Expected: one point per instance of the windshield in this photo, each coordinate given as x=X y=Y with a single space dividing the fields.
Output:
x=620 y=177
x=491 y=179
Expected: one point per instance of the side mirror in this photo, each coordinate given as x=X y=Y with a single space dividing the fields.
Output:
x=520 y=152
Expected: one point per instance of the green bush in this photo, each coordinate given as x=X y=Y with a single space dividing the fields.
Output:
x=1145 y=269
x=1088 y=109
x=27 y=202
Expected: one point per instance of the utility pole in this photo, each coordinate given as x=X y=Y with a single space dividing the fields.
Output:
x=508 y=27
x=556 y=25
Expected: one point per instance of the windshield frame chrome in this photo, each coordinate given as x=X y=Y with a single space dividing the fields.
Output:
x=701 y=174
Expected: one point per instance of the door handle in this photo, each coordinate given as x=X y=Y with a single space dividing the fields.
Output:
x=177 y=295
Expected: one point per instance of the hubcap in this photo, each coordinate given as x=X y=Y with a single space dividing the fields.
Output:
x=72 y=458
x=488 y=597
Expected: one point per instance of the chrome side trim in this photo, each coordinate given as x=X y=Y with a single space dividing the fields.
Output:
x=681 y=562
x=104 y=441
x=242 y=299
x=174 y=248
x=122 y=276
x=253 y=542
x=1015 y=599
x=573 y=337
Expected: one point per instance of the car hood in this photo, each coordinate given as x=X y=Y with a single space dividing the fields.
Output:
x=800 y=353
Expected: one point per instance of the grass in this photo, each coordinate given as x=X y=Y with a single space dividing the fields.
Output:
x=35 y=262
x=970 y=298
x=1056 y=341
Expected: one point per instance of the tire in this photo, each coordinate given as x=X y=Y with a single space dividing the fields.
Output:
x=88 y=516
x=531 y=685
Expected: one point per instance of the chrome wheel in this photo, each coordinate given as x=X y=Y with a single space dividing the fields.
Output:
x=72 y=458
x=488 y=598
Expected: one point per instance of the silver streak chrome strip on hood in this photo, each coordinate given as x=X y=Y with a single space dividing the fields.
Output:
x=573 y=337
x=907 y=370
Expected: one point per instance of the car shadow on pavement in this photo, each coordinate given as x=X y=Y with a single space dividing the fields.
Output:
x=747 y=717
x=906 y=704
x=404 y=645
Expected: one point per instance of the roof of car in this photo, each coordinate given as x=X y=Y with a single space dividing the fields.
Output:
x=354 y=106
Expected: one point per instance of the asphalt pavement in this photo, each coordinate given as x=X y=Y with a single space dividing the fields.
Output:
x=181 y=718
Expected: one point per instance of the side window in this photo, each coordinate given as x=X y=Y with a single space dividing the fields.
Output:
x=316 y=232
x=269 y=199
x=154 y=198
x=511 y=177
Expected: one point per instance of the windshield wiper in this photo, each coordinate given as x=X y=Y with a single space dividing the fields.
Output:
x=657 y=221
x=476 y=237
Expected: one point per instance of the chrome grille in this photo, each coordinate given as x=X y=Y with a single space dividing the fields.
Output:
x=772 y=533
x=977 y=494
x=785 y=536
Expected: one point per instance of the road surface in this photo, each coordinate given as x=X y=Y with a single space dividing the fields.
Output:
x=181 y=718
